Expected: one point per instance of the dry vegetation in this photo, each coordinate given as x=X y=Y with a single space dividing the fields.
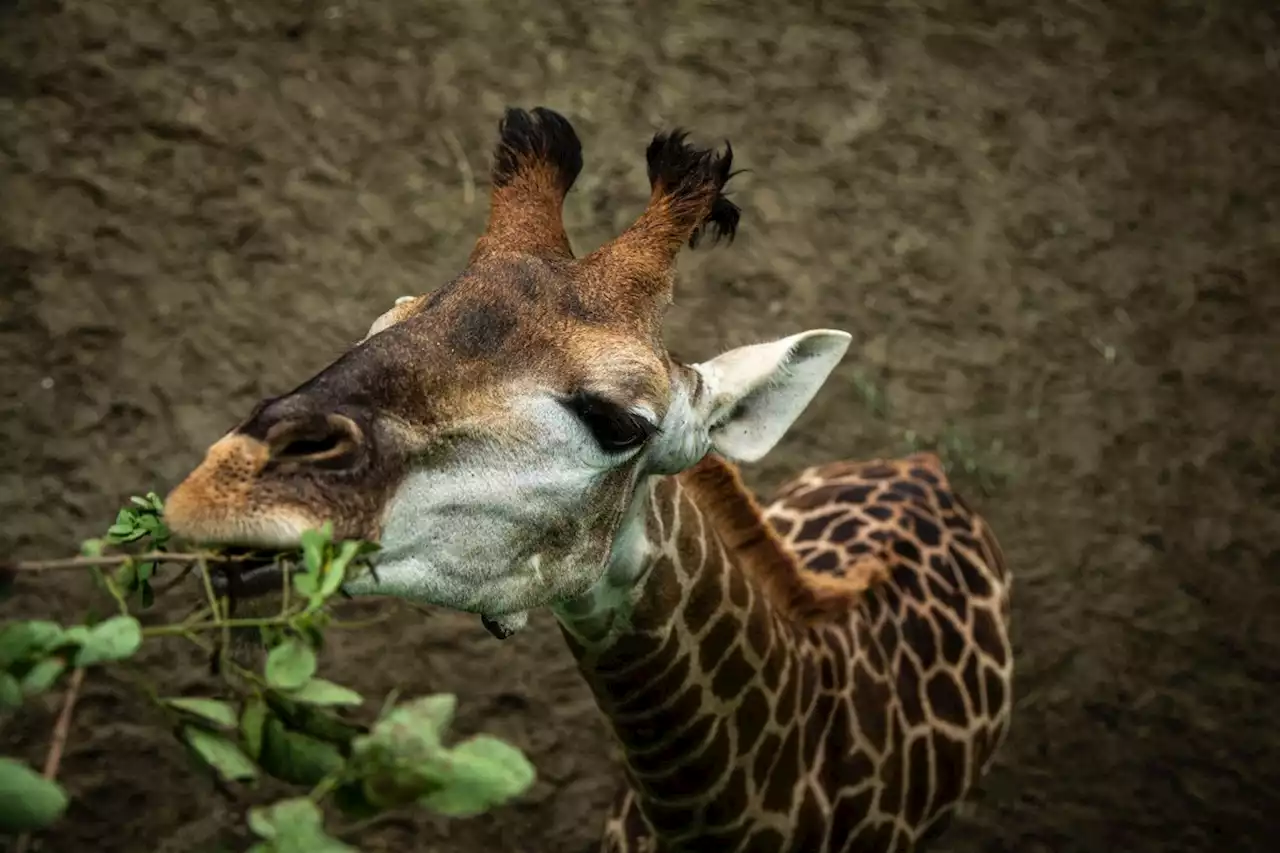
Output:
x=1051 y=226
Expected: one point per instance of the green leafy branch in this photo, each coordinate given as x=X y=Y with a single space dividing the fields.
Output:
x=284 y=721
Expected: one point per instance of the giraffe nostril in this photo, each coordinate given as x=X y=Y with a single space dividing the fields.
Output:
x=331 y=441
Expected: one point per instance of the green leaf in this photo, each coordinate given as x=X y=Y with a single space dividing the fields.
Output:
x=260 y=821
x=294 y=826
x=28 y=801
x=314 y=720
x=317 y=691
x=337 y=570
x=137 y=577
x=43 y=675
x=484 y=772
x=127 y=576
x=428 y=713
x=125 y=533
x=293 y=814
x=270 y=636
x=214 y=710
x=306 y=584
x=347 y=552
x=114 y=639
x=142 y=502
x=311 y=628
x=304 y=625
x=20 y=641
x=10 y=692
x=313 y=548
x=350 y=798
x=92 y=547
x=220 y=753
x=252 y=719
x=290 y=664
x=402 y=758
x=295 y=757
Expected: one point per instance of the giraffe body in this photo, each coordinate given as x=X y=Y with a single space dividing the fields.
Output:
x=829 y=674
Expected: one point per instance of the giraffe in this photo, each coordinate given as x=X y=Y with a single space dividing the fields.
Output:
x=831 y=672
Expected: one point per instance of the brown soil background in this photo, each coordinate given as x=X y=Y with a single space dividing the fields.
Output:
x=1052 y=228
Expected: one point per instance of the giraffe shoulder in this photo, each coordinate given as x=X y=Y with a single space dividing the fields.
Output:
x=819 y=596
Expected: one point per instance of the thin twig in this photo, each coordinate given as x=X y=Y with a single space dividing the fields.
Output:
x=247 y=674
x=162 y=588
x=121 y=559
x=63 y=726
x=114 y=590
x=215 y=625
x=58 y=743
x=360 y=826
x=185 y=628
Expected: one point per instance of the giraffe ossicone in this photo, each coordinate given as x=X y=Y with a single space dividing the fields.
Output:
x=830 y=672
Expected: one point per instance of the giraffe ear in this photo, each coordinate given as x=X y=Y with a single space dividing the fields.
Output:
x=753 y=394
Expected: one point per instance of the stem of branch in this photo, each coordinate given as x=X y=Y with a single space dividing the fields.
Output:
x=114 y=590
x=119 y=560
x=176 y=580
x=189 y=628
x=215 y=625
x=58 y=743
x=63 y=726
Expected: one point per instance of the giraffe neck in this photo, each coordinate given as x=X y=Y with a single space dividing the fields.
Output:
x=693 y=649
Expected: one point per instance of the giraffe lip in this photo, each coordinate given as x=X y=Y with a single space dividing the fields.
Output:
x=505 y=625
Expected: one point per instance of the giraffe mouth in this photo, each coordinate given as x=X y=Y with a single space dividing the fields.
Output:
x=247 y=574
x=506 y=625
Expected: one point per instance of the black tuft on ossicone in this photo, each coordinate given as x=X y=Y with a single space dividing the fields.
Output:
x=684 y=170
x=541 y=135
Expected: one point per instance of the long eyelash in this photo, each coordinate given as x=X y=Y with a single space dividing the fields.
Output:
x=609 y=414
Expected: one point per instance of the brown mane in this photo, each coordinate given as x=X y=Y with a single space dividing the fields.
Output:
x=729 y=506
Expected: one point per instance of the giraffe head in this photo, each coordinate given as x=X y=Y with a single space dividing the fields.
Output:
x=490 y=436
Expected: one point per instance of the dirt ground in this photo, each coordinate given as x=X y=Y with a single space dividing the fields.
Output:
x=1052 y=227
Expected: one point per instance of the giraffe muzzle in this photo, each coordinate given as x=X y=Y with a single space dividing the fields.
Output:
x=248 y=577
x=506 y=625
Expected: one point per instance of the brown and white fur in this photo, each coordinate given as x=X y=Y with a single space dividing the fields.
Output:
x=830 y=674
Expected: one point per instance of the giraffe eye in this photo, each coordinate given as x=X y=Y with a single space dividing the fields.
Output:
x=615 y=428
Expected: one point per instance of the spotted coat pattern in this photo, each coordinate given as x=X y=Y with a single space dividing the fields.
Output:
x=746 y=731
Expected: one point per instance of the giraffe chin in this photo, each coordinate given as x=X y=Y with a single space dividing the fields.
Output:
x=505 y=625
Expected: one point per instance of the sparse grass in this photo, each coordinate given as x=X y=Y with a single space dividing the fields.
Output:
x=989 y=464
x=872 y=392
